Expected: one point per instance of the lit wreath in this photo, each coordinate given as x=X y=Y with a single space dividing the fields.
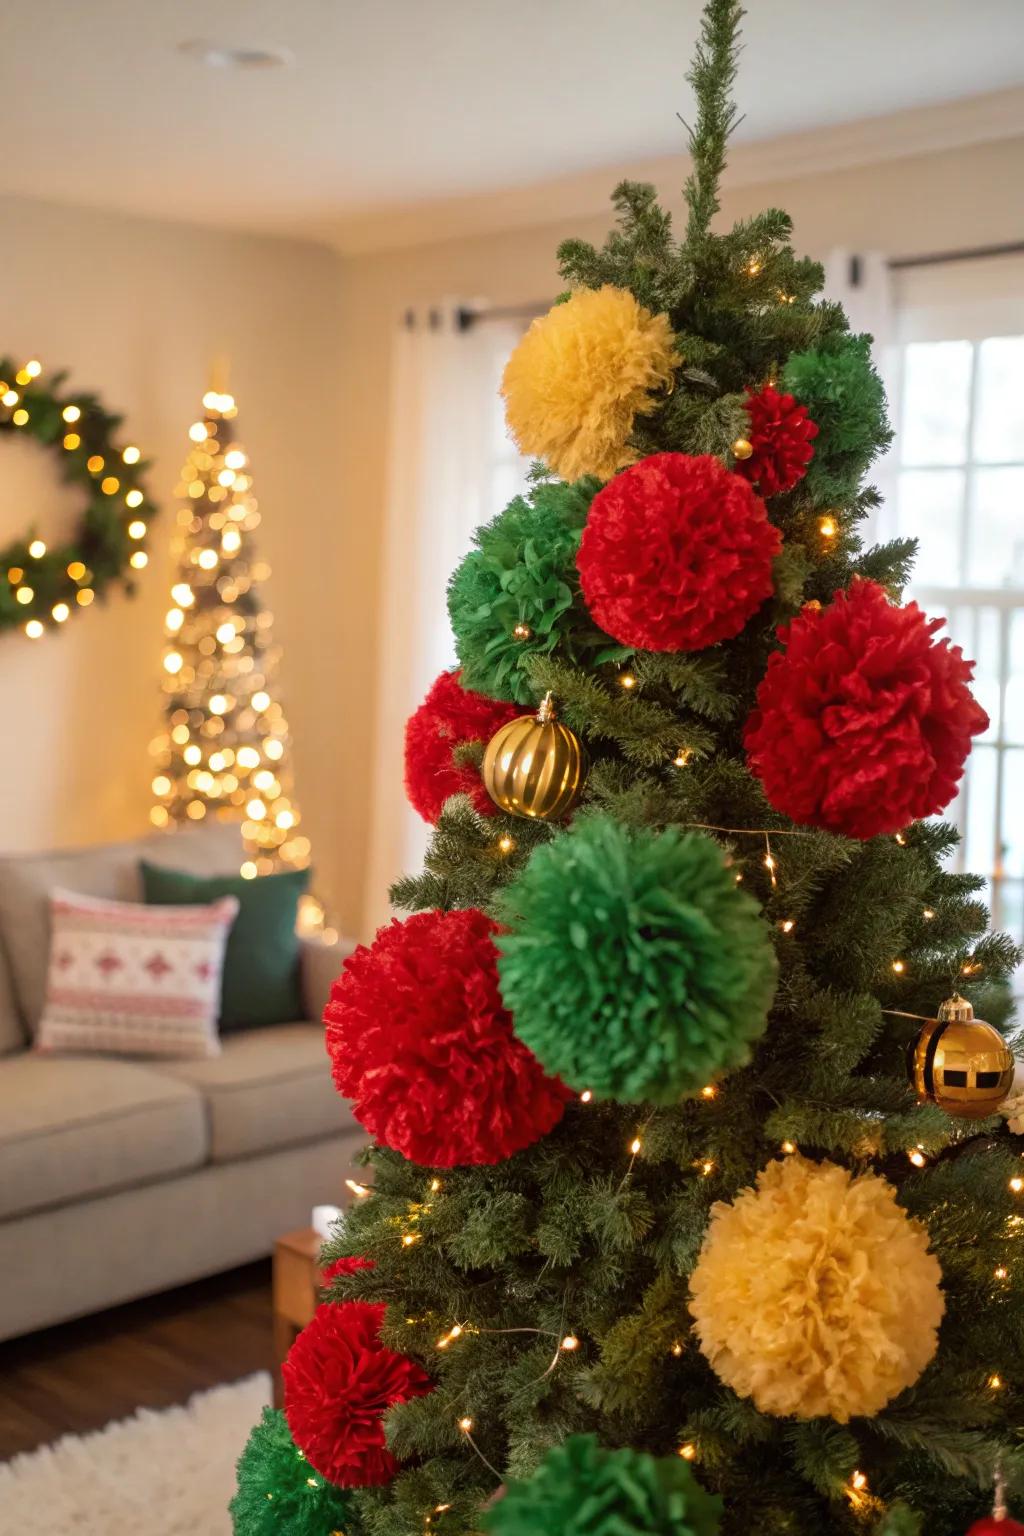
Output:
x=41 y=585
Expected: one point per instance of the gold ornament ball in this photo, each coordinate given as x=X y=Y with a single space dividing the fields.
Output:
x=535 y=766
x=742 y=449
x=961 y=1063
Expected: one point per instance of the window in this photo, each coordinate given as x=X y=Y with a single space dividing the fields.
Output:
x=958 y=467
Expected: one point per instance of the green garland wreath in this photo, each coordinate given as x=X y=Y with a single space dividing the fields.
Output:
x=41 y=586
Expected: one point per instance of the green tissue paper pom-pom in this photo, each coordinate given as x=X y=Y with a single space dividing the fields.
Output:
x=844 y=395
x=279 y=1492
x=523 y=571
x=581 y=1489
x=633 y=966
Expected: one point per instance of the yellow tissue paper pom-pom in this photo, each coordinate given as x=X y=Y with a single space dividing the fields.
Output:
x=581 y=375
x=815 y=1293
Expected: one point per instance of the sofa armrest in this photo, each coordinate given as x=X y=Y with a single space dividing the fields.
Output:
x=319 y=966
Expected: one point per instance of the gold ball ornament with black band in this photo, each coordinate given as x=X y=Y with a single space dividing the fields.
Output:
x=535 y=766
x=961 y=1063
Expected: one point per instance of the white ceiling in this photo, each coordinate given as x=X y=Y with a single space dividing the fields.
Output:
x=396 y=102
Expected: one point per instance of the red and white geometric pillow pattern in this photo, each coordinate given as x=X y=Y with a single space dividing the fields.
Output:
x=144 y=981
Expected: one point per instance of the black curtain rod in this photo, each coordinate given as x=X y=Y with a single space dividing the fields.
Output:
x=467 y=318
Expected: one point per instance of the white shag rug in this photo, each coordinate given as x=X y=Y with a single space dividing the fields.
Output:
x=167 y=1473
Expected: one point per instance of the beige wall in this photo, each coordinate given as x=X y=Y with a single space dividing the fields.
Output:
x=136 y=309
x=930 y=202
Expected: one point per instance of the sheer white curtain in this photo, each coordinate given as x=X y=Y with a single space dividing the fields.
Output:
x=448 y=460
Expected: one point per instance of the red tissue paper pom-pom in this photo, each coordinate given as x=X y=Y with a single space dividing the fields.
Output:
x=422 y=1045
x=449 y=716
x=338 y=1267
x=339 y=1380
x=990 y=1526
x=676 y=554
x=780 y=435
x=864 y=722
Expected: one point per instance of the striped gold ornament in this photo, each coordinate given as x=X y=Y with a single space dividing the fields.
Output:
x=535 y=766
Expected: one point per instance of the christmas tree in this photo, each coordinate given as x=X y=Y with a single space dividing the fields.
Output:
x=659 y=1234
x=226 y=749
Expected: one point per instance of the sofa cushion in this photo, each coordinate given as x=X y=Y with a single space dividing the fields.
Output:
x=261 y=961
x=12 y=1031
x=110 y=870
x=72 y=1127
x=268 y=1088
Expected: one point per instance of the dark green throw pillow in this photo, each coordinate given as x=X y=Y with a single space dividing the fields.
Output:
x=261 y=962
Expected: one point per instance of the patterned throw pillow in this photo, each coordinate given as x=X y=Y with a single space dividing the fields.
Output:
x=140 y=980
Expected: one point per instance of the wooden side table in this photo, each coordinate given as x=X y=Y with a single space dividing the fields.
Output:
x=296 y=1291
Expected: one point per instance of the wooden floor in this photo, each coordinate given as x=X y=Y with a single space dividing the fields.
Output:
x=152 y=1354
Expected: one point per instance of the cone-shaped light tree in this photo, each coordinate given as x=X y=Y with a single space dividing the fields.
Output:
x=659 y=1232
x=226 y=748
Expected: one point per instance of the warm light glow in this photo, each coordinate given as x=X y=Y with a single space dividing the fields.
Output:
x=569 y=1343
x=635 y=1145
x=37 y=549
x=917 y=1157
x=359 y=1190
x=1002 y=1272
x=72 y=440
x=192 y=754
x=627 y=680
x=709 y=1092
x=197 y=431
x=688 y=1451
x=995 y=1381
x=506 y=843
x=139 y=560
x=789 y=1147
x=225 y=632
x=676 y=1349
x=273 y=749
x=158 y=816
x=435 y=1185
x=94 y=464
x=109 y=484
x=76 y=570
x=1016 y=1185
x=231 y=541
x=33 y=368
x=173 y=663
x=134 y=499
x=409 y=1239
x=20 y=417
x=899 y=966
x=218 y=704
x=586 y=1096
x=136 y=529
x=682 y=758
x=928 y=914
x=161 y=784
x=196 y=810
x=248 y=870
x=256 y=809
x=84 y=597
x=207 y=559
x=60 y=612
x=23 y=594
x=226 y=477
x=260 y=701
x=787 y=925
x=33 y=629
x=466 y=1425
x=235 y=458
x=707 y=1167
x=858 y=1481
x=183 y=594
x=284 y=820
x=247 y=757
x=10 y=397
x=71 y=413
x=827 y=527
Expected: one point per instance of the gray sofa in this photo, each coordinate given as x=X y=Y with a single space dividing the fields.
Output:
x=120 y=1177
